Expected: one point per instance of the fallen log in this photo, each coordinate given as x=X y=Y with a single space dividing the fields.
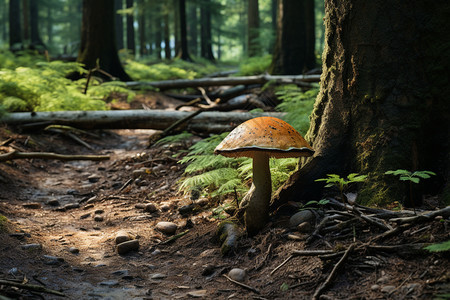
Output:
x=221 y=81
x=206 y=122
x=49 y=155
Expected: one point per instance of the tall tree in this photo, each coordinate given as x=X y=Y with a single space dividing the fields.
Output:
x=15 y=27
x=383 y=103
x=183 y=51
x=294 y=47
x=36 y=40
x=98 y=40
x=157 y=27
x=254 y=47
x=142 y=27
x=205 y=34
x=166 y=30
x=131 y=43
x=192 y=28
x=118 y=20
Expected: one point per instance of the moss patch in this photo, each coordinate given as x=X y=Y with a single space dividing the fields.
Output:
x=3 y=224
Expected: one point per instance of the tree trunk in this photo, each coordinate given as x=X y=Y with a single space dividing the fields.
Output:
x=118 y=18
x=131 y=43
x=383 y=103
x=183 y=51
x=205 y=34
x=192 y=29
x=157 y=29
x=26 y=20
x=49 y=25
x=36 y=41
x=294 y=47
x=254 y=47
x=15 y=27
x=142 y=26
x=166 y=29
x=97 y=38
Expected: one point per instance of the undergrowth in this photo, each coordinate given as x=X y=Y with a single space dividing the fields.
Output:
x=255 y=65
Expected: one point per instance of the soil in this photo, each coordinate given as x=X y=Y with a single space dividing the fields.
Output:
x=84 y=204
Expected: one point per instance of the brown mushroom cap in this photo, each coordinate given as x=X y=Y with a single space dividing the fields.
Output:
x=271 y=135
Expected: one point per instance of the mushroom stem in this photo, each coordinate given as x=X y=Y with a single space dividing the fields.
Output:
x=258 y=198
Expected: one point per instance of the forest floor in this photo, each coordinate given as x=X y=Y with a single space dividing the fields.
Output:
x=74 y=211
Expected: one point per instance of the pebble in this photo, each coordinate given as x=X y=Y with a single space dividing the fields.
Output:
x=53 y=202
x=32 y=247
x=53 y=260
x=122 y=236
x=98 y=218
x=168 y=228
x=128 y=246
x=32 y=205
x=158 y=276
x=387 y=288
x=208 y=270
x=109 y=283
x=74 y=250
x=85 y=216
x=71 y=206
x=300 y=217
x=237 y=274
x=165 y=207
x=140 y=206
x=375 y=287
x=121 y=272
x=94 y=178
x=186 y=209
x=150 y=207
x=383 y=279
x=99 y=211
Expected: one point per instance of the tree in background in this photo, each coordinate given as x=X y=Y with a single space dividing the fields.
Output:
x=294 y=47
x=254 y=47
x=118 y=21
x=383 y=103
x=97 y=38
x=192 y=27
x=166 y=31
x=15 y=27
x=131 y=43
x=205 y=34
x=36 y=41
x=183 y=51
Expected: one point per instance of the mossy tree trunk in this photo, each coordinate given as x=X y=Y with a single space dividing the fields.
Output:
x=98 y=39
x=384 y=99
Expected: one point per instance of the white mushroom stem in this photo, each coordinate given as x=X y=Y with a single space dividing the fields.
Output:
x=258 y=198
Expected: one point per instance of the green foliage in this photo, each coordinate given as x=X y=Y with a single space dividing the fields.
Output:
x=11 y=61
x=440 y=247
x=314 y=204
x=410 y=176
x=255 y=65
x=167 y=70
x=334 y=180
x=297 y=105
x=100 y=91
x=3 y=224
x=174 y=138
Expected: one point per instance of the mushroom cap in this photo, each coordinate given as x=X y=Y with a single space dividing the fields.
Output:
x=268 y=135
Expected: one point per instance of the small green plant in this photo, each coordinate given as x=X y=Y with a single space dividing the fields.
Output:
x=315 y=204
x=335 y=180
x=255 y=65
x=3 y=223
x=411 y=177
x=439 y=247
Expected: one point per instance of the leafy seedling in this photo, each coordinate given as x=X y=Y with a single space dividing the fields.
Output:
x=412 y=177
x=334 y=180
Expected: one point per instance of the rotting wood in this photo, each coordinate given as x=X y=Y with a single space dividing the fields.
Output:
x=221 y=81
x=31 y=287
x=49 y=155
x=206 y=122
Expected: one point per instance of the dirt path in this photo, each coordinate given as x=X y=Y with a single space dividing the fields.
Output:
x=75 y=210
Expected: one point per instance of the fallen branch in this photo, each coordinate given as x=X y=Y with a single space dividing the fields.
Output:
x=242 y=284
x=207 y=122
x=333 y=273
x=48 y=155
x=31 y=287
x=444 y=212
x=203 y=82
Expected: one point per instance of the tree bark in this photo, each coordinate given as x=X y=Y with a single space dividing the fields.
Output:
x=206 y=122
x=98 y=40
x=205 y=31
x=184 y=52
x=36 y=41
x=192 y=28
x=166 y=29
x=131 y=43
x=118 y=18
x=294 y=47
x=158 y=28
x=253 y=47
x=15 y=27
x=142 y=26
x=383 y=103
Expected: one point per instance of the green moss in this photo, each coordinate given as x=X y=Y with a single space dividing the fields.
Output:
x=3 y=224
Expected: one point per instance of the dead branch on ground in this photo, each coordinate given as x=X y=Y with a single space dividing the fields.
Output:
x=49 y=155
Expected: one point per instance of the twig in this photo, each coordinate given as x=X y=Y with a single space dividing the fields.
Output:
x=302 y=253
x=31 y=287
x=242 y=284
x=50 y=155
x=282 y=264
x=333 y=273
x=173 y=238
x=444 y=212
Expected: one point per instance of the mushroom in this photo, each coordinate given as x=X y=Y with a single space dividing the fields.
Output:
x=261 y=138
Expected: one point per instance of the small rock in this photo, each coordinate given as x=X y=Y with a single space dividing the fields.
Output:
x=383 y=279
x=72 y=192
x=237 y=274
x=168 y=228
x=156 y=252
x=122 y=236
x=85 y=216
x=32 y=205
x=208 y=270
x=32 y=247
x=164 y=207
x=198 y=293
x=98 y=218
x=74 y=250
x=150 y=207
x=387 y=289
x=71 y=206
x=53 y=260
x=94 y=178
x=375 y=287
x=300 y=217
x=99 y=211
x=158 y=276
x=120 y=272
x=53 y=202
x=140 y=206
x=304 y=227
x=128 y=246
x=186 y=209
x=109 y=283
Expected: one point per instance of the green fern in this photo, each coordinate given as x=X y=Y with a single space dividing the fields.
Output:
x=440 y=247
x=255 y=65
